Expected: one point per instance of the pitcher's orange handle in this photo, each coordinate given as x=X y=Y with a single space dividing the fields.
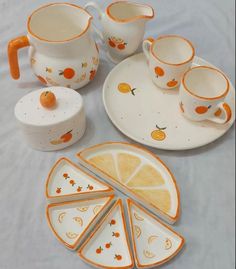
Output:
x=13 y=47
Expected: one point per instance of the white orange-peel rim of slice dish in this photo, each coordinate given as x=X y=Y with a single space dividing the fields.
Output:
x=119 y=204
x=131 y=203
x=49 y=178
x=50 y=224
x=172 y=218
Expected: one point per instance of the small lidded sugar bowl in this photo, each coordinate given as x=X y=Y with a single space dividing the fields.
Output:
x=51 y=118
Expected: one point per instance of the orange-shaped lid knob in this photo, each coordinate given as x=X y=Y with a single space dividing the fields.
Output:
x=48 y=99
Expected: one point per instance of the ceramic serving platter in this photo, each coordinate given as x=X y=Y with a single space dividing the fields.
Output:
x=136 y=172
x=108 y=245
x=150 y=115
x=71 y=221
x=67 y=182
x=153 y=242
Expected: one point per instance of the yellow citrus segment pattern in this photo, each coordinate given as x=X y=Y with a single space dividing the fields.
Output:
x=105 y=163
x=159 y=198
x=147 y=176
x=127 y=164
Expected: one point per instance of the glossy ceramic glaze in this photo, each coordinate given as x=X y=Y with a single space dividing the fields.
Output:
x=202 y=94
x=67 y=181
x=123 y=24
x=138 y=173
x=169 y=57
x=152 y=116
x=54 y=128
x=154 y=243
x=72 y=221
x=108 y=245
x=62 y=52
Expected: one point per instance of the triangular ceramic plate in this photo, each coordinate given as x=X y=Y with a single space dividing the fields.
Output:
x=108 y=246
x=153 y=242
x=138 y=173
x=71 y=221
x=67 y=182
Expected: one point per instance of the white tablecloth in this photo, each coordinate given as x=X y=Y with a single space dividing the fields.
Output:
x=205 y=176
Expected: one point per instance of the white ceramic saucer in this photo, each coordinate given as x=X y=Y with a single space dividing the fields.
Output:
x=150 y=115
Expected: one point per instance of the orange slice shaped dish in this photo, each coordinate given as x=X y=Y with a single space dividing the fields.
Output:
x=138 y=173
x=67 y=182
x=154 y=243
x=70 y=221
x=108 y=246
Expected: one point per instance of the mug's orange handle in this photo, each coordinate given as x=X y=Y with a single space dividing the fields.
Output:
x=13 y=47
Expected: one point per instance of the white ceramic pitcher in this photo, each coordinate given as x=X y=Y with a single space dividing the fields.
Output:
x=62 y=52
x=123 y=24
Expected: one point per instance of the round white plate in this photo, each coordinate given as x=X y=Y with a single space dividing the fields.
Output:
x=137 y=115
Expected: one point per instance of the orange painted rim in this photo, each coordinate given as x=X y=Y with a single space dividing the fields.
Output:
x=201 y=97
x=109 y=188
x=129 y=203
x=131 y=19
x=120 y=204
x=174 y=218
x=59 y=41
x=111 y=197
x=175 y=36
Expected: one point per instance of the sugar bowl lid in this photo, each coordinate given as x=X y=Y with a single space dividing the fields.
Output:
x=48 y=106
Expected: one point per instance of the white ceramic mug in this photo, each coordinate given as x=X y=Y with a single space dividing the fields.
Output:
x=123 y=27
x=169 y=57
x=202 y=93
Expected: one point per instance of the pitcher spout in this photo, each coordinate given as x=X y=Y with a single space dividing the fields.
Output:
x=125 y=11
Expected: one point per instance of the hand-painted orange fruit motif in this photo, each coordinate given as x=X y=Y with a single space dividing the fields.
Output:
x=118 y=43
x=173 y=83
x=79 y=189
x=148 y=254
x=159 y=71
x=181 y=105
x=48 y=69
x=218 y=112
x=61 y=217
x=111 y=43
x=47 y=99
x=168 y=244
x=108 y=245
x=99 y=250
x=66 y=176
x=112 y=222
x=116 y=234
x=66 y=137
x=159 y=134
x=122 y=46
x=90 y=187
x=72 y=183
x=126 y=88
x=42 y=80
x=68 y=73
x=202 y=109
x=58 y=190
x=63 y=139
x=71 y=235
x=137 y=217
x=92 y=74
x=118 y=257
